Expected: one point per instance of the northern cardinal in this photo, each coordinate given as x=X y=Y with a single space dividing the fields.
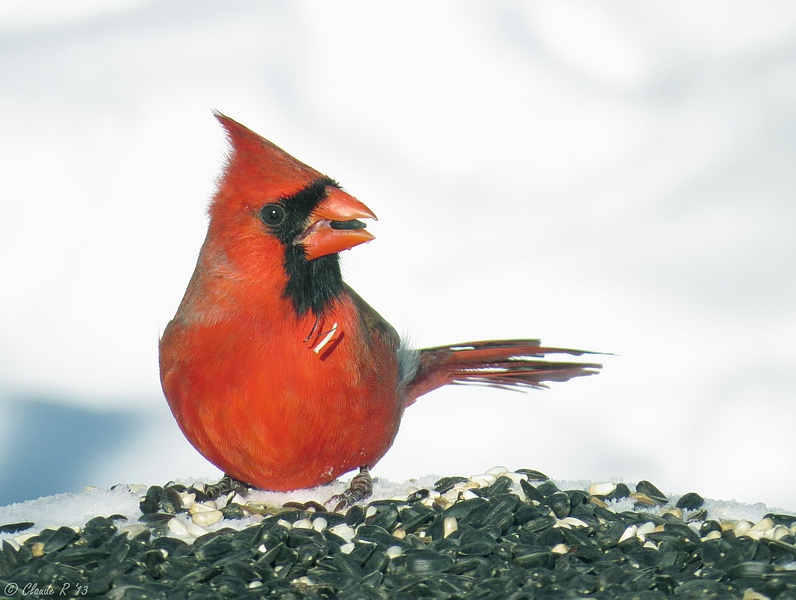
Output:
x=275 y=369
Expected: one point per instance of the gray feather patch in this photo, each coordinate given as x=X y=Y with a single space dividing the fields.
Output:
x=408 y=362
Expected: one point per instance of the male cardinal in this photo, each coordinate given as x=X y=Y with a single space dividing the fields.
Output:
x=274 y=368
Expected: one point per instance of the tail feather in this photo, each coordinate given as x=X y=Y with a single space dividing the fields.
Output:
x=508 y=364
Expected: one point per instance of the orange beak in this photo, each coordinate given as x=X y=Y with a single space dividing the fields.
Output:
x=333 y=225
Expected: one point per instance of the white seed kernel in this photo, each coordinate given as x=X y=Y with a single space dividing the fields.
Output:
x=347 y=548
x=742 y=527
x=449 y=525
x=630 y=532
x=602 y=489
x=645 y=528
x=177 y=527
x=515 y=477
x=133 y=529
x=484 y=479
x=302 y=524
x=186 y=499
x=575 y=522
x=497 y=471
x=198 y=507
x=195 y=530
x=205 y=518
x=675 y=512
x=344 y=531
x=763 y=525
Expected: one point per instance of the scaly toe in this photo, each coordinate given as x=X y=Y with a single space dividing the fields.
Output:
x=226 y=485
x=361 y=487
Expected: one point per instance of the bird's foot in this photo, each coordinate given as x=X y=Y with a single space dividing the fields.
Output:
x=360 y=488
x=226 y=485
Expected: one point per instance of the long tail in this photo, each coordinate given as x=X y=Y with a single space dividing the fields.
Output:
x=510 y=364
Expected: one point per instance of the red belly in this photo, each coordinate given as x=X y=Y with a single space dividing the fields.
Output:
x=268 y=410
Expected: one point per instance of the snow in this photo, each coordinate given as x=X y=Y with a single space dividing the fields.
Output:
x=77 y=508
x=71 y=510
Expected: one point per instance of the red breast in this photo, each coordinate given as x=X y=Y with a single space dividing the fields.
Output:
x=278 y=384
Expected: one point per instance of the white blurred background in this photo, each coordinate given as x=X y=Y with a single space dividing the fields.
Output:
x=617 y=176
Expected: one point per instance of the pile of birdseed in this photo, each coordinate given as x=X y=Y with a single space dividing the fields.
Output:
x=501 y=534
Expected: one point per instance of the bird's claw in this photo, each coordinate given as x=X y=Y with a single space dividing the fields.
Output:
x=226 y=485
x=360 y=488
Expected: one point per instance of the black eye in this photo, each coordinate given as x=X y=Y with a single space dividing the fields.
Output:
x=272 y=214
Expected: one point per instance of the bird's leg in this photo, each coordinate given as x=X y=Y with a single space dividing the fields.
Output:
x=226 y=485
x=361 y=487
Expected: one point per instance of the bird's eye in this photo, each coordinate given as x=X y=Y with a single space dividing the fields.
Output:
x=272 y=214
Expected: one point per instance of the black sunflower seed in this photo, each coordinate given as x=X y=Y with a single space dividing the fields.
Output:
x=355 y=515
x=59 y=539
x=649 y=490
x=463 y=508
x=559 y=504
x=16 y=527
x=533 y=475
x=531 y=492
x=352 y=224
x=690 y=501
x=424 y=562
x=782 y=519
x=447 y=483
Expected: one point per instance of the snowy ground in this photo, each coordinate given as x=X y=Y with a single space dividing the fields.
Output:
x=614 y=176
x=77 y=508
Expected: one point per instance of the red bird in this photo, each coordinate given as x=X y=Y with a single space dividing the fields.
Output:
x=278 y=372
